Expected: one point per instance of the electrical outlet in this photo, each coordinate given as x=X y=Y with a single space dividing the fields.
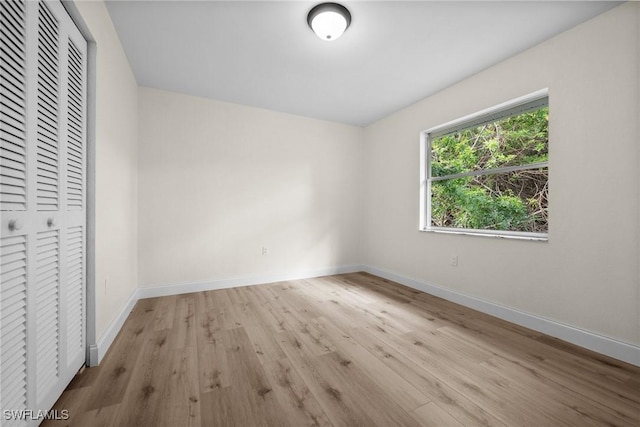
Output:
x=265 y=250
x=454 y=261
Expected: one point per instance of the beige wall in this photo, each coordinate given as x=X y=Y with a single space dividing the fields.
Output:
x=219 y=181
x=116 y=155
x=587 y=274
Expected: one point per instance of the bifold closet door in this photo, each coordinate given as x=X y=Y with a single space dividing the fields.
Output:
x=42 y=204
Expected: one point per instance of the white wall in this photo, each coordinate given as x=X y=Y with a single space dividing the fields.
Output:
x=116 y=158
x=219 y=181
x=587 y=274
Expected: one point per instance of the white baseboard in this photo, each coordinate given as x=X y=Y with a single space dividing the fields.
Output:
x=211 y=285
x=97 y=351
x=620 y=350
x=626 y=352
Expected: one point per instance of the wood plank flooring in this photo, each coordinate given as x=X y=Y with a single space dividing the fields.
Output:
x=346 y=350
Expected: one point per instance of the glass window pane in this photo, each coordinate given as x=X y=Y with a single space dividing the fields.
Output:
x=514 y=141
x=511 y=201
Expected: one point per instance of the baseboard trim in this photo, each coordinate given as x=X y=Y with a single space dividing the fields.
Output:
x=97 y=351
x=620 y=350
x=211 y=285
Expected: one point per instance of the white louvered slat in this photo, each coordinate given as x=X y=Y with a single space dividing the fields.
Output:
x=13 y=321
x=48 y=191
x=75 y=288
x=13 y=143
x=48 y=304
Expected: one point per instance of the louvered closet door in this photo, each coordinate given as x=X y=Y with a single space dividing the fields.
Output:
x=42 y=203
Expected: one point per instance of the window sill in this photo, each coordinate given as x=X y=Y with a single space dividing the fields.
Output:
x=490 y=233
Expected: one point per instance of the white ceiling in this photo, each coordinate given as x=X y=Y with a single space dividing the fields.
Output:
x=395 y=53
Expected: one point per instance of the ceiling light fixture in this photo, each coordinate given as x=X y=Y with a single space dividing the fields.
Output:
x=329 y=20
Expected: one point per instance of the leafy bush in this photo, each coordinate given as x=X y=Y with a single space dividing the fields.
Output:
x=516 y=201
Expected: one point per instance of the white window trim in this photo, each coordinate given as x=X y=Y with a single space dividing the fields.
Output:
x=505 y=109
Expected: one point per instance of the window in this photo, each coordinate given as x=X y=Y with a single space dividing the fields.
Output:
x=488 y=173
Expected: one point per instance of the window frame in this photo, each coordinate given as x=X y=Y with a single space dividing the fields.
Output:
x=520 y=105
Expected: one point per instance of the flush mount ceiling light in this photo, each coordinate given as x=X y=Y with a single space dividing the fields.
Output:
x=329 y=20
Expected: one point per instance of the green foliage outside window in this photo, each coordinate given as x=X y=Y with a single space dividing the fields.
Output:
x=513 y=201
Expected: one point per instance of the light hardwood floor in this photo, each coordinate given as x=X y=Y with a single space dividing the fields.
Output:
x=346 y=350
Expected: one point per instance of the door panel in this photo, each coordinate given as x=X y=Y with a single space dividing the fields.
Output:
x=47 y=306
x=75 y=291
x=13 y=317
x=13 y=148
x=75 y=130
x=47 y=185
